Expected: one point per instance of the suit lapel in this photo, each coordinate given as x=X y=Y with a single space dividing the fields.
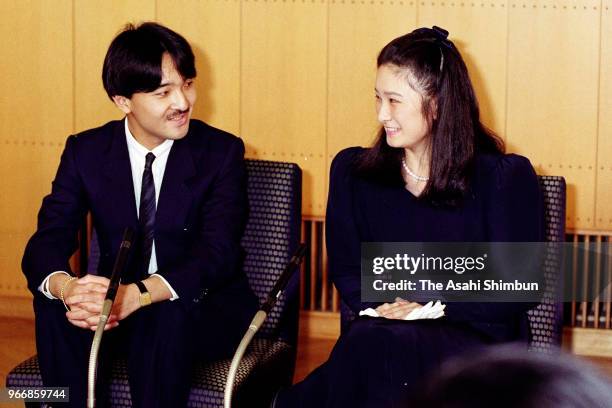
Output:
x=175 y=197
x=119 y=191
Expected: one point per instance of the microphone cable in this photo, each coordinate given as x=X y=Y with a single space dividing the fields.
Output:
x=258 y=320
x=113 y=286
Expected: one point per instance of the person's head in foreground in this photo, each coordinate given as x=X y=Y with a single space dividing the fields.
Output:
x=509 y=376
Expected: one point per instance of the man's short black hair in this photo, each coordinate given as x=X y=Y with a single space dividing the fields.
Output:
x=133 y=61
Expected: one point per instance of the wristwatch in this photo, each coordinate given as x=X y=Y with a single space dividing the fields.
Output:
x=145 y=296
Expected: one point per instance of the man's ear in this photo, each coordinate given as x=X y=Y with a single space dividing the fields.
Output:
x=123 y=103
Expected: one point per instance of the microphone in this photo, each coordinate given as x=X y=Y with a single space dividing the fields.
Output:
x=111 y=292
x=282 y=281
x=259 y=318
x=120 y=261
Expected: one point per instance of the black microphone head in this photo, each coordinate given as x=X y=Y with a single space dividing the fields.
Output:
x=128 y=237
x=120 y=262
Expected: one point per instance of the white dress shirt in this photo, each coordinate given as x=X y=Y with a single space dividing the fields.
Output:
x=137 y=153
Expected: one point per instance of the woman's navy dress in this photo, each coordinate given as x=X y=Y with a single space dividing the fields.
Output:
x=379 y=362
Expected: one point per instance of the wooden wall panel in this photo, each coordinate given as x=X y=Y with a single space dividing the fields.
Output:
x=96 y=24
x=603 y=200
x=295 y=79
x=213 y=29
x=35 y=117
x=284 y=88
x=358 y=30
x=479 y=30
x=553 y=71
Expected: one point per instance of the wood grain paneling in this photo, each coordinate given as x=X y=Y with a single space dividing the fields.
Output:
x=358 y=30
x=294 y=78
x=284 y=88
x=553 y=64
x=213 y=29
x=479 y=30
x=603 y=200
x=35 y=116
x=96 y=24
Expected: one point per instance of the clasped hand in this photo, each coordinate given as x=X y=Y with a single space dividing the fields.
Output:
x=398 y=309
x=85 y=298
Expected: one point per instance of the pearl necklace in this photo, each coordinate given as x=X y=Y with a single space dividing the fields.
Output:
x=411 y=174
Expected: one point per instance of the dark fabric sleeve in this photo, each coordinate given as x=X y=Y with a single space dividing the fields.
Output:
x=514 y=213
x=59 y=218
x=342 y=235
x=214 y=254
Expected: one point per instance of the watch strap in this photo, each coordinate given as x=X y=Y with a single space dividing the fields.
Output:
x=141 y=286
x=145 y=296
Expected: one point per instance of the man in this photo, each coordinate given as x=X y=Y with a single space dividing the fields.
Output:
x=181 y=185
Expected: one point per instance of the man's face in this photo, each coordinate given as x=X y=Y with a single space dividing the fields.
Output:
x=164 y=113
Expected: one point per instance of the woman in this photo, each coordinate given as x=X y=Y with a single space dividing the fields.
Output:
x=435 y=173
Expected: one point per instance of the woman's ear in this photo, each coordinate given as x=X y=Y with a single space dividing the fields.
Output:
x=434 y=108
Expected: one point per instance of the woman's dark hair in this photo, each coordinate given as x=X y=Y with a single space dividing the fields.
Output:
x=435 y=69
x=133 y=60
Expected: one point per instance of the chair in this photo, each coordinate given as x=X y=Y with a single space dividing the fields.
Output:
x=545 y=320
x=272 y=234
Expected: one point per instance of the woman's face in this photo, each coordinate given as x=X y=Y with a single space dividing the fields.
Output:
x=399 y=110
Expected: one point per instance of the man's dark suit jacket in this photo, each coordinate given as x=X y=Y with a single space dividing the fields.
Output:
x=200 y=218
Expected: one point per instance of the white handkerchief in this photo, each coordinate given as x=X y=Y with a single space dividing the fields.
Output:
x=430 y=311
x=369 y=312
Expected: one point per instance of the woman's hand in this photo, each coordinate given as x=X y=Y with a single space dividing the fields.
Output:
x=398 y=309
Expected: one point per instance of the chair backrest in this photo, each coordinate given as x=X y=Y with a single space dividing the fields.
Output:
x=545 y=320
x=272 y=234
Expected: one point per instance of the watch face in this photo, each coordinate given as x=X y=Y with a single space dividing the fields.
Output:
x=145 y=299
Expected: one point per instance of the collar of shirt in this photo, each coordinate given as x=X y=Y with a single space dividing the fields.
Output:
x=142 y=151
x=137 y=153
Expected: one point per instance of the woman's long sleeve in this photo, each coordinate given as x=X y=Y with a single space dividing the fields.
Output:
x=342 y=233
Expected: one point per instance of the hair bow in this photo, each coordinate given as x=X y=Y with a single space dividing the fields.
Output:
x=441 y=36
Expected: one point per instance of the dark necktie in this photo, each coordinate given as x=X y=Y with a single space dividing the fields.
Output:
x=147 y=212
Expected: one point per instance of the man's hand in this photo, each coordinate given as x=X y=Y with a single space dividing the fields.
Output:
x=398 y=309
x=128 y=296
x=85 y=297
x=127 y=301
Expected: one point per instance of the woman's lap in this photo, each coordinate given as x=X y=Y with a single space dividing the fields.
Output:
x=378 y=362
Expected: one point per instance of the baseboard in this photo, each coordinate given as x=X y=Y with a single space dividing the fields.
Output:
x=588 y=342
x=323 y=325
x=14 y=306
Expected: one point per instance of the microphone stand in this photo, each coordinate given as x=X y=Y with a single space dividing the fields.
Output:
x=113 y=286
x=258 y=320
